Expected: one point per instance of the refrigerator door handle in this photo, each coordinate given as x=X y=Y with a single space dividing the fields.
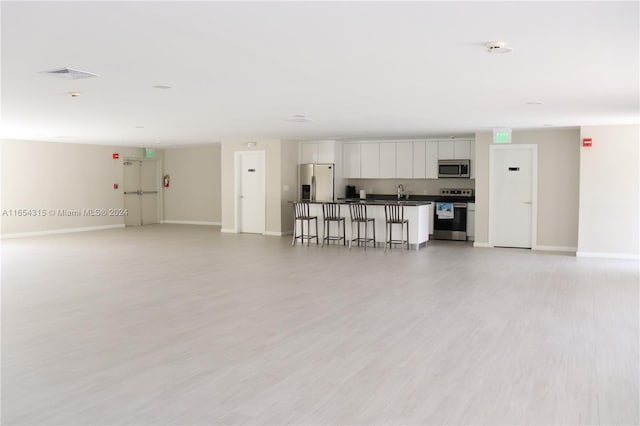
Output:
x=313 y=188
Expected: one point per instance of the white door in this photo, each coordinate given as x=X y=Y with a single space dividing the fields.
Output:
x=250 y=191
x=513 y=176
x=140 y=192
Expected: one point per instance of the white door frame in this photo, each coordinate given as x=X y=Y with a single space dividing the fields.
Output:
x=534 y=188
x=236 y=188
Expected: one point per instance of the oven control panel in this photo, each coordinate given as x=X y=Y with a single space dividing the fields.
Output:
x=448 y=192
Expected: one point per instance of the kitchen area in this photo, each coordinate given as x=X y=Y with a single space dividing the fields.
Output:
x=436 y=173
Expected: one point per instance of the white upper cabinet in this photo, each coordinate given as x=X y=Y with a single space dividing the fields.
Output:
x=461 y=150
x=419 y=160
x=404 y=160
x=327 y=152
x=318 y=152
x=454 y=149
x=387 y=160
x=369 y=160
x=351 y=160
x=431 y=155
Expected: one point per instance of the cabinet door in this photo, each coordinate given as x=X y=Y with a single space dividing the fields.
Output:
x=326 y=152
x=404 y=160
x=351 y=160
x=419 y=160
x=369 y=160
x=431 y=155
x=387 y=160
x=472 y=158
x=461 y=150
x=445 y=150
x=308 y=153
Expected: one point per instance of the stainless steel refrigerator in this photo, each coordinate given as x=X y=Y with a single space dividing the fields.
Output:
x=316 y=182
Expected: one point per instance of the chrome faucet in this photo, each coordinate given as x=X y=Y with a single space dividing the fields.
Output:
x=400 y=191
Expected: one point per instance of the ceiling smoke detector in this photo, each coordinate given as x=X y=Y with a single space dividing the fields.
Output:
x=69 y=73
x=299 y=118
x=497 y=47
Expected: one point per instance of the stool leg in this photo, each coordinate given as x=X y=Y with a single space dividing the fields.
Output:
x=374 y=232
x=408 y=236
x=295 y=225
x=344 y=232
x=317 y=232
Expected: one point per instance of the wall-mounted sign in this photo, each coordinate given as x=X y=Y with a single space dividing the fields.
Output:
x=115 y=155
x=502 y=135
x=149 y=152
x=587 y=142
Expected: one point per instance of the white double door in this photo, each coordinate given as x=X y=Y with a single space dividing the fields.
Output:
x=250 y=191
x=513 y=177
x=140 y=192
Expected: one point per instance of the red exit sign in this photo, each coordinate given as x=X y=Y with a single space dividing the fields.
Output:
x=587 y=142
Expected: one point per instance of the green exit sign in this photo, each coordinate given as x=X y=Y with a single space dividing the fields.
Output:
x=149 y=152
x=502 y=136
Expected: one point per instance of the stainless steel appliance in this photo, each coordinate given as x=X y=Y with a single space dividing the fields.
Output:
x=450 y=217
x=454 y=168
x=316 y=182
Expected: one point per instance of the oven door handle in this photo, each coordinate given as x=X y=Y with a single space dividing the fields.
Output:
x=459 y=205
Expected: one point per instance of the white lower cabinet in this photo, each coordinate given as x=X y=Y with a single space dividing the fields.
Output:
x=471 y=221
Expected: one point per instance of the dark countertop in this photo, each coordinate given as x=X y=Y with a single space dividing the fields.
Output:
x=375 y=202
x=417 y=198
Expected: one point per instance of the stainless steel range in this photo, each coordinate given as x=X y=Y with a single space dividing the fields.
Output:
x=450 y=221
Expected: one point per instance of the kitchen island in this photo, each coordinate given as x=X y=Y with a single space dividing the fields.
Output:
x=415 y=211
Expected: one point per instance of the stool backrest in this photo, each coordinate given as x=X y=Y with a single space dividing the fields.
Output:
x=300 y=209
x=394 y=212
x=331 y=210
x=358 y=211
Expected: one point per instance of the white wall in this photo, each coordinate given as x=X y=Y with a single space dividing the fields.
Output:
x=49 y=177
x=558 y=185
x=193 y=195
x=609 y=224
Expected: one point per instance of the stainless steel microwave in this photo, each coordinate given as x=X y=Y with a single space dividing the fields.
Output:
x=454 y=168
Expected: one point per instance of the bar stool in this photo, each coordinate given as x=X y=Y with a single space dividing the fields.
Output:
x=394 y=215
x=331 y=213
x=359 y=216
x=301 y=213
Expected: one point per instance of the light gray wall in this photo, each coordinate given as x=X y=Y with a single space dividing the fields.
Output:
x=610 y=192
x=273 y=159
x=289 y=184
x=558 y=185
x=50 y=176
x=194 y=192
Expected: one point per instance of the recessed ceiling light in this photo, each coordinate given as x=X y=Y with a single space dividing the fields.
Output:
x=69 y=73
x=161 y=86
x=534 y=102
x=497 y=47
x=73 y=94
x=299 y=118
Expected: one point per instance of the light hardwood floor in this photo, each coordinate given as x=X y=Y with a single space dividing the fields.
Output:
x=173 y=324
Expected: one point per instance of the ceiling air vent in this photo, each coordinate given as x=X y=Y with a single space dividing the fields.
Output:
x=69 y=73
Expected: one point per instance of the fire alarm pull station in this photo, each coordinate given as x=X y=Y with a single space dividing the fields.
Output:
x=115 y=186
x=587 y=142
x=116 y=155
x=165 y=181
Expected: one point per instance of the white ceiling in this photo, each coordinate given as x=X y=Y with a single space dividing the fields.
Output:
x=358 y=69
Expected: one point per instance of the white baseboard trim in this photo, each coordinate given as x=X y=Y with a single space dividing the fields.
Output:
x=622 y=256
x=191 y=222
x=60 y=231
x=556 y=248
x=482 y=245
x=229 y=231
x=277 y=233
